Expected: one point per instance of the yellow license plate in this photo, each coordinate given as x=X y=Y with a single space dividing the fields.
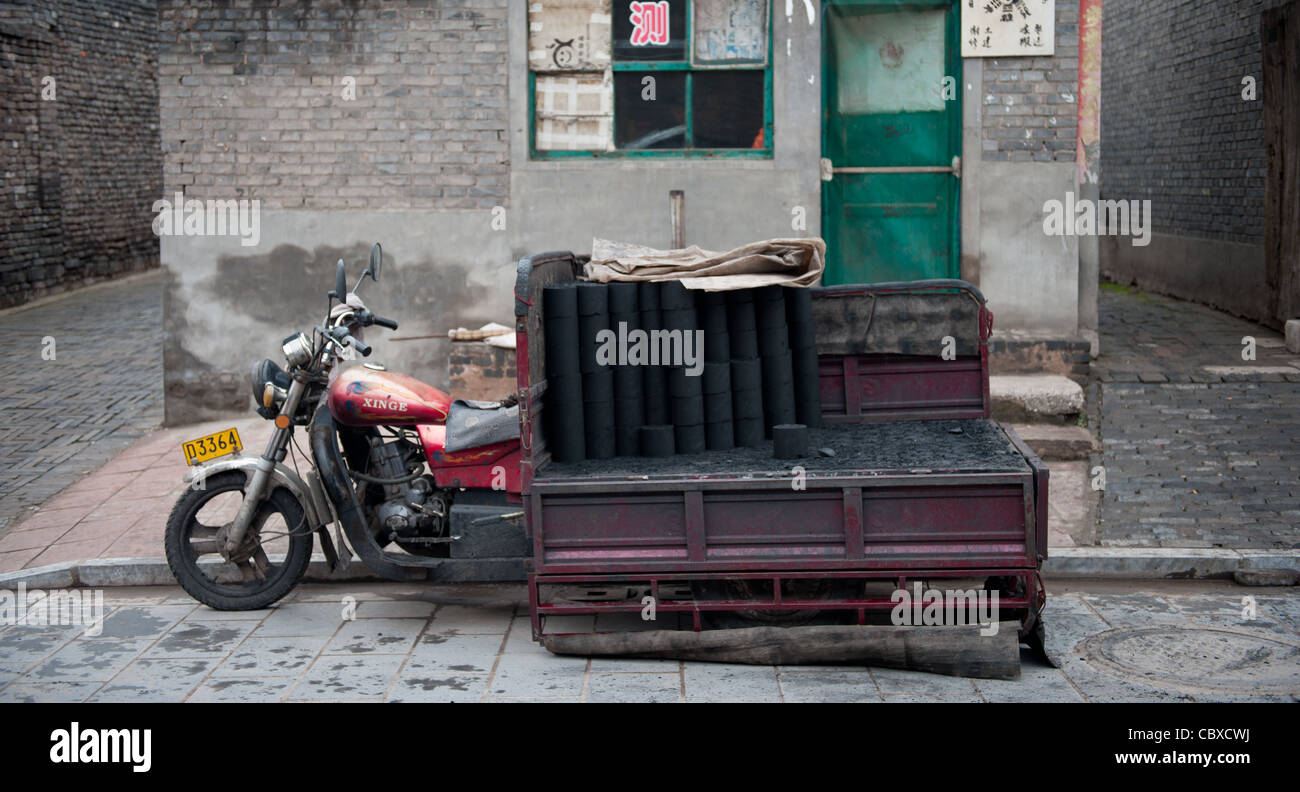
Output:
x=214 y=445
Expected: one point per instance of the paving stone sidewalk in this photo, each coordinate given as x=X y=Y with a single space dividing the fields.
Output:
x=65 y=417
x=120 y=510
x=1200 y=447
x=473 y=643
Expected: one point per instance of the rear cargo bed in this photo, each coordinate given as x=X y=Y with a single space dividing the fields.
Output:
x=921 y=485
x=973 y=445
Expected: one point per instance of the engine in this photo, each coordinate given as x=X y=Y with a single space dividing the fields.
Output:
x=406 y=507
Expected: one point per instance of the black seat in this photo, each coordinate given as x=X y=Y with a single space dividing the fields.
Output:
x=474 y=424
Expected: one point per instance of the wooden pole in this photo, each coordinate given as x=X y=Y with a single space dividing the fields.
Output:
x=951 y=650
x=676 y=216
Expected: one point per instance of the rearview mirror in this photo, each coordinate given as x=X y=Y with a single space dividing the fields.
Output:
x=376 y=261
x=341 y=281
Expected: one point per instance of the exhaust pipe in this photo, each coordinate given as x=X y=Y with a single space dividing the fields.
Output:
x=338 y=488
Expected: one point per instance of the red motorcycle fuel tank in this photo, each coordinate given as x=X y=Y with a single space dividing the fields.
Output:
x=367 y=395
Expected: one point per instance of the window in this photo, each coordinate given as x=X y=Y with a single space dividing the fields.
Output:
x=663 y=78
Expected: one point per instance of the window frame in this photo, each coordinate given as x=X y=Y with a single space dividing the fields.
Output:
x=688 y=67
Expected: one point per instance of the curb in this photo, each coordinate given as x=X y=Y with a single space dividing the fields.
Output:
x=1162 y=563
x=1165 y=563
x=107 y=572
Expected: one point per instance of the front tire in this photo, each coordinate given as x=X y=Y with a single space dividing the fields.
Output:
x=191 y=536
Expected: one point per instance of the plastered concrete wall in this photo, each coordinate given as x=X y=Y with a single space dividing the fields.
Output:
x=728 y=202
x=227 y=305
x=255 y=105
x=447 y=263
x=1031 y=279
x=423 y=176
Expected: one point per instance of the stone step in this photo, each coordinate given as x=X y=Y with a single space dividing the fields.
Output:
x=1057 y=442
x=1049 y=398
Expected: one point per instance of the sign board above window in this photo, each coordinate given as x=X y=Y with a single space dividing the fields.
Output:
x=1007 y=28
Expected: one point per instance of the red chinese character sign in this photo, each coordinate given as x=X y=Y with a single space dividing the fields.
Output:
x=649 y=23
x=1007 y=28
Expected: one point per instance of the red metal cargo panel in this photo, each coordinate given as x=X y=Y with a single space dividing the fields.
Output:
x=903 y=521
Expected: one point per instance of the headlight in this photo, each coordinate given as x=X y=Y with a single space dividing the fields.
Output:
x=270 y=387
x=297 y=349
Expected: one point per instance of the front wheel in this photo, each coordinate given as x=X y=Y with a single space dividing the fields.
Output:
x=278 y=535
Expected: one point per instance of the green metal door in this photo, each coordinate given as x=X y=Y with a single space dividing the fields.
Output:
x=891 y=140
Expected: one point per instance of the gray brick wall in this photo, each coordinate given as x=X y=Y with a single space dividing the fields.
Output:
x=1174 y=126
x=81 y=171
x=1029 y=108
x=253 y=102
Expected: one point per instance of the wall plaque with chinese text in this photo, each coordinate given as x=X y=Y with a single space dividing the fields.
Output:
x=1007 y=28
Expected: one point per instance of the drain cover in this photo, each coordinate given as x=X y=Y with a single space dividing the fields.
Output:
x=1206 y=658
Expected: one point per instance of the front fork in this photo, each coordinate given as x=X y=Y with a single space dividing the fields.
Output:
x=276 y=448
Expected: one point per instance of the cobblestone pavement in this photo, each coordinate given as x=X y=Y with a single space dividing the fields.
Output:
x=1200 y=447
x=65 y=417
x=1188 y=641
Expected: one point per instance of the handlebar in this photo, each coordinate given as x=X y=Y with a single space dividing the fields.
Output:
x=359 y=346
x=340 y=335
x=366 y=319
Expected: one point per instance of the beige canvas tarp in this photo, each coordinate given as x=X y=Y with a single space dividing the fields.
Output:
x=788 y=262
